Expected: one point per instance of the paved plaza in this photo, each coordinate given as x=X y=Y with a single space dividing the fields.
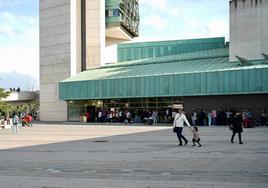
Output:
x=53 y=156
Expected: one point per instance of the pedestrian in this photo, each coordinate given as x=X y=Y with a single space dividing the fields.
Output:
x=34 y=115
x=214 y=117
x=88 y=116
x=179 y=120
x=154 y=117
x=209 y=118
x=245 y=119
x=100 y=116
x=263 y=117
x=128 y=115
x=15 y=121
x=196 y=138
x=228 y=116
x=193 y=116
x=237 y=120
x=30 y=120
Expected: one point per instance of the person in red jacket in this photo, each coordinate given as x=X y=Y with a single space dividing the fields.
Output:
x=88 y=116
x=29 y=120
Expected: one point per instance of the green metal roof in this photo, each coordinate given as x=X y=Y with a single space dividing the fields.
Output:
x=201 y=61
x=142 y=50
x=197 y=73
x=172 y=42
x=243 y=80
x=181 y=67
x=169 y=68
x=202 y=54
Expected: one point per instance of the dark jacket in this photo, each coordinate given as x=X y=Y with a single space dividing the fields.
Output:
x=237 y=123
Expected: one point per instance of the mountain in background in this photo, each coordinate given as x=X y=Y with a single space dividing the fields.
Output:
x=15 y=80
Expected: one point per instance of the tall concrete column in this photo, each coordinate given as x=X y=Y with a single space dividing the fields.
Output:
x=57 y=60
x=95 y=33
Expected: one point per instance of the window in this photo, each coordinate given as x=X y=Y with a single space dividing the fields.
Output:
x=116 y=12
x=112 y=13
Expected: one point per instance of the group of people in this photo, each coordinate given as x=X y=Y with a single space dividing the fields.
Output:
x=235 y=124
x=195 y=117
x=14 y=89
x=21 y=119
x=223 y=117
x=122 y=116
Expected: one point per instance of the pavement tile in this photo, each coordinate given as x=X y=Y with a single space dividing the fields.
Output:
x=77 y=156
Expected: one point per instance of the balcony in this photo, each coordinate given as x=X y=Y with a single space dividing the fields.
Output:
x=122 y=19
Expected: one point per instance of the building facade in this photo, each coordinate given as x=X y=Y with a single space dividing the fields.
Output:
x=154 y=76
x=73 y=35
x=159 y=76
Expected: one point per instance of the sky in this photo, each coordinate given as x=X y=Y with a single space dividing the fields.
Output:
x=159 y=20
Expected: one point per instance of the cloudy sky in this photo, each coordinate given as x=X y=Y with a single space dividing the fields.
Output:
x=160 y=20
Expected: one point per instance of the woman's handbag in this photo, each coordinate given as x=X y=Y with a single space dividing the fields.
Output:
x=231 y=127
x=174 y=129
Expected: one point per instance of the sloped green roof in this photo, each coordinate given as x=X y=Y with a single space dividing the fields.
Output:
x=206 y=72
x=169 y=68
x=209 y=60
x=172 y=42
x=193 y=62
x=203 y=54
x=143 y=50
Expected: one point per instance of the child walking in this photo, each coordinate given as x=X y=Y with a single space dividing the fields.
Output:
x=196 y=138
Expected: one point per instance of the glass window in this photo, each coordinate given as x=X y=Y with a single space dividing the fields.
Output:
x=112 y=13
x=73 y=111
x=115 y=12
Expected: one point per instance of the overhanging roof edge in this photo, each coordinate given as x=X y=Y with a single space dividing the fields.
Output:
x=169 y=74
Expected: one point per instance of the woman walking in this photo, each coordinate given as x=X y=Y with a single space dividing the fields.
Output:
x=237 y=121
x=179 y=120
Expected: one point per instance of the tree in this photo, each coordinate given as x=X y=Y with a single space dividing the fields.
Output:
x=3 y=94
x=4 y=107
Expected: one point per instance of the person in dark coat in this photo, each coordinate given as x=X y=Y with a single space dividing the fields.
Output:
x=237 y=126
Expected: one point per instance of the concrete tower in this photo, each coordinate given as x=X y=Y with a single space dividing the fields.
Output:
x=248 y=29
x=73 y=36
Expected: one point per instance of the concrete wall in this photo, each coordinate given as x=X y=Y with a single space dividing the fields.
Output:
x=248 y=28
x=54 y=57
x=60 y=48
x=95 y=33
x=21 y=96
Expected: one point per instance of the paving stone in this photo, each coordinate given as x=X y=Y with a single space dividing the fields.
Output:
x=77 y=156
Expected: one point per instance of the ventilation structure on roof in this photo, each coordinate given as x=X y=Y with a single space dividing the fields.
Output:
x=265 y=58
x=243 y=61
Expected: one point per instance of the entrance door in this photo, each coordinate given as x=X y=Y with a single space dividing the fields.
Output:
x=92 y=113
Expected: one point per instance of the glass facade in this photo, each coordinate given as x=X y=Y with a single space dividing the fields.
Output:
x=139 y=108
x=123 y=13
